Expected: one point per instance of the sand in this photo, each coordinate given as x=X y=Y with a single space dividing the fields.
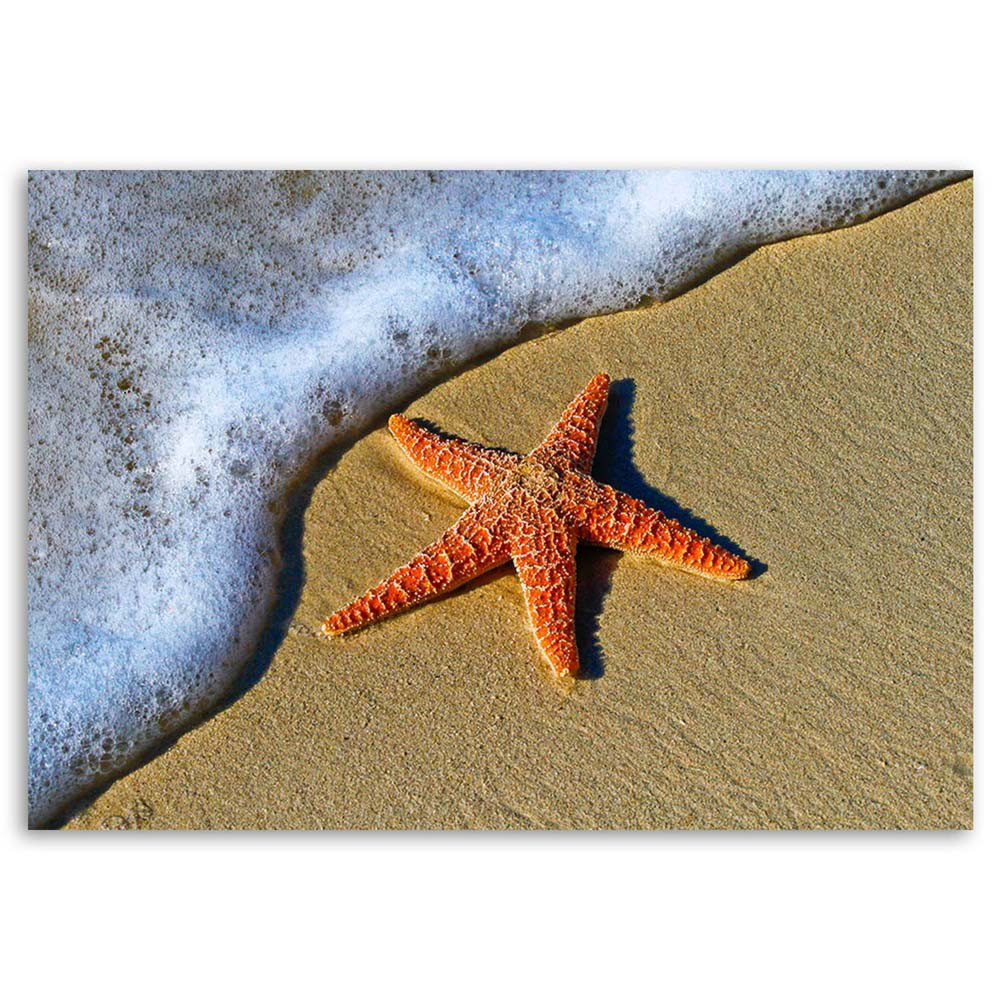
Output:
x=812 y=405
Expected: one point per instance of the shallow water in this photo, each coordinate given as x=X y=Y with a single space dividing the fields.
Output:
x=195 y=339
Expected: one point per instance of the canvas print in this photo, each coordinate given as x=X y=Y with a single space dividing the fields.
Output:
x=500 y=500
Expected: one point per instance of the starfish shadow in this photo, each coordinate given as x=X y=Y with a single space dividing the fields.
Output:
x=614 y=464
x=594 y=570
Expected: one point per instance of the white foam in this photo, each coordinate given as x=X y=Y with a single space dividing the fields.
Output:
x=195 y=338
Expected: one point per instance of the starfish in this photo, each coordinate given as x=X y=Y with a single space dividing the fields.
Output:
x=533 y=510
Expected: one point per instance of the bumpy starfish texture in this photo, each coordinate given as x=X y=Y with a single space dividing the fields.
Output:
x=533 y=510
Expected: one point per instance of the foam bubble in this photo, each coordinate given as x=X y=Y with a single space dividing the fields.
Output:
x=195 y=338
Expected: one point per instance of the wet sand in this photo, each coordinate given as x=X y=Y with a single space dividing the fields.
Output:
x=811 y=405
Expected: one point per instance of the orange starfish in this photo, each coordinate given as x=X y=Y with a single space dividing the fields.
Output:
x=532 y=509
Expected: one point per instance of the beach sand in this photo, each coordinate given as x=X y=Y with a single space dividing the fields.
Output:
x=811 y=404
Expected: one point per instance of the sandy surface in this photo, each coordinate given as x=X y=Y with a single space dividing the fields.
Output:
x=812 y=404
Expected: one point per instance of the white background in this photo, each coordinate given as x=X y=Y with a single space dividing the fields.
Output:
x=502 y=84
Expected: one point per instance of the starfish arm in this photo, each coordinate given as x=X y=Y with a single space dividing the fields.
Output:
x=572 y=442
x=462 y=466
x=470 y=547
x=613 y=519
x=545 y=559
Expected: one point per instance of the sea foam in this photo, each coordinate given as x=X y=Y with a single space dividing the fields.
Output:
x=195 y=339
